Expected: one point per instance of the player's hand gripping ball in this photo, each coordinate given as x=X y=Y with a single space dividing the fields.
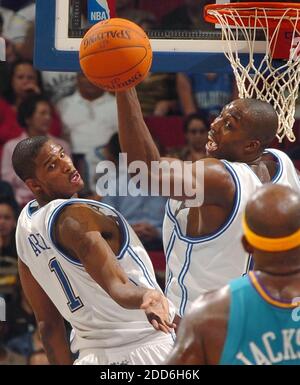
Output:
x=115 y=54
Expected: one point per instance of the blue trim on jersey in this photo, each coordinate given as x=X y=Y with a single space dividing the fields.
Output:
x=131 y=280
x=30 y=211
x=141 y=264
x=123 y=227
x=224 y=227
x=170 y=277
x=168 y=253
x=279 y=170
x=181 y=277
x=170 y=245
x=71 y=201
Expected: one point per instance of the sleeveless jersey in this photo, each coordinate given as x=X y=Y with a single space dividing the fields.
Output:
x=197 y=265
x=261 y=330
x=97 y=320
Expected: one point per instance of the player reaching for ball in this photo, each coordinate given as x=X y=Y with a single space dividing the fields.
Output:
x=202 y=243
x=255 y=319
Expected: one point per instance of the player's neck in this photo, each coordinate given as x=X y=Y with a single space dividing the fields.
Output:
x=278 y=274
x=254 y=160
x=280 y=286
x=44 y=200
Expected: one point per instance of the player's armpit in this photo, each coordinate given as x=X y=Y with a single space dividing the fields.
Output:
x=219 y=186
x=77 y=231
x=50 y=322
x=205 y=182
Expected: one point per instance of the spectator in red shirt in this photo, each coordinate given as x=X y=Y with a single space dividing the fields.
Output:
x=24 y=80
x=35 y=116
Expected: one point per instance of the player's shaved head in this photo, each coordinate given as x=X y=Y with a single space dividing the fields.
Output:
x=274 y=211
x=261 y=120
x=24 y=155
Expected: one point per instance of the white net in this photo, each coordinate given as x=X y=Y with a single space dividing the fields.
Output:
x=263 y=78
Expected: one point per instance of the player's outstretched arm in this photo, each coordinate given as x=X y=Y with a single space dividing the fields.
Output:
x=77 y=231
x=49 y=321
x=177 y=179
x=135 y=138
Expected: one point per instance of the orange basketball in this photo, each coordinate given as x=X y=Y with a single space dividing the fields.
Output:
x=115 y=54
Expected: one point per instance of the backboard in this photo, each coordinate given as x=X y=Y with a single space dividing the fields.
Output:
x=60 y=24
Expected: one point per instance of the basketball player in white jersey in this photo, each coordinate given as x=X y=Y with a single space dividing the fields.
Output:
x=253 y=320
x=202 y=244
x=80 y=260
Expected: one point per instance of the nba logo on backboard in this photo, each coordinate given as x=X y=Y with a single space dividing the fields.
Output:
x=295 y=49
x=2 y=310
x=98 y=10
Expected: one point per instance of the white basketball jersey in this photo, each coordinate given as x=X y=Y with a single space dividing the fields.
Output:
x=98 y=321
x=198 y=265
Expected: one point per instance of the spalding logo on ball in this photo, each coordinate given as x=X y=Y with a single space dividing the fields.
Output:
x=115 y=54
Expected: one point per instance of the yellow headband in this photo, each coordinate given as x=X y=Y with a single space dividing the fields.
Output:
x=271 y=244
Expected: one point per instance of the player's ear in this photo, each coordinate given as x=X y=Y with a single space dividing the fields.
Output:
x=33 y=185
x=252 y=146
x=247 y=247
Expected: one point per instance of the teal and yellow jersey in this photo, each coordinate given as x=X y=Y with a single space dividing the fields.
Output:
x=261 y=329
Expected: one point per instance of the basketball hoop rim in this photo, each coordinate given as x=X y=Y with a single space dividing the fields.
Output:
x=279 y=24
x=270 y=10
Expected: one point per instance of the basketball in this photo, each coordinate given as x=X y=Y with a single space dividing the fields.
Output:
x=115 y=54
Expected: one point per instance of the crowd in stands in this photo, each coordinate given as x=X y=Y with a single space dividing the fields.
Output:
x=178 y=109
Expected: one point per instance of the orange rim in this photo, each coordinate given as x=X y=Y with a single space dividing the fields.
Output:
x=267 y=12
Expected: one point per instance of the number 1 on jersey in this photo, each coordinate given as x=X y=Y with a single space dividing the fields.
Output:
x=74 y=302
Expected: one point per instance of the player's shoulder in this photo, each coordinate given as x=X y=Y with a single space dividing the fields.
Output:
x=216 y=300
x=217 y=166
x=76 y=210
x=210 y=309
x=271 y=152
x=219 y=183
x=78 y=215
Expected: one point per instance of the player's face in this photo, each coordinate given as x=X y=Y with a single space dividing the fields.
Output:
x=55 y=173
x=227 y=138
